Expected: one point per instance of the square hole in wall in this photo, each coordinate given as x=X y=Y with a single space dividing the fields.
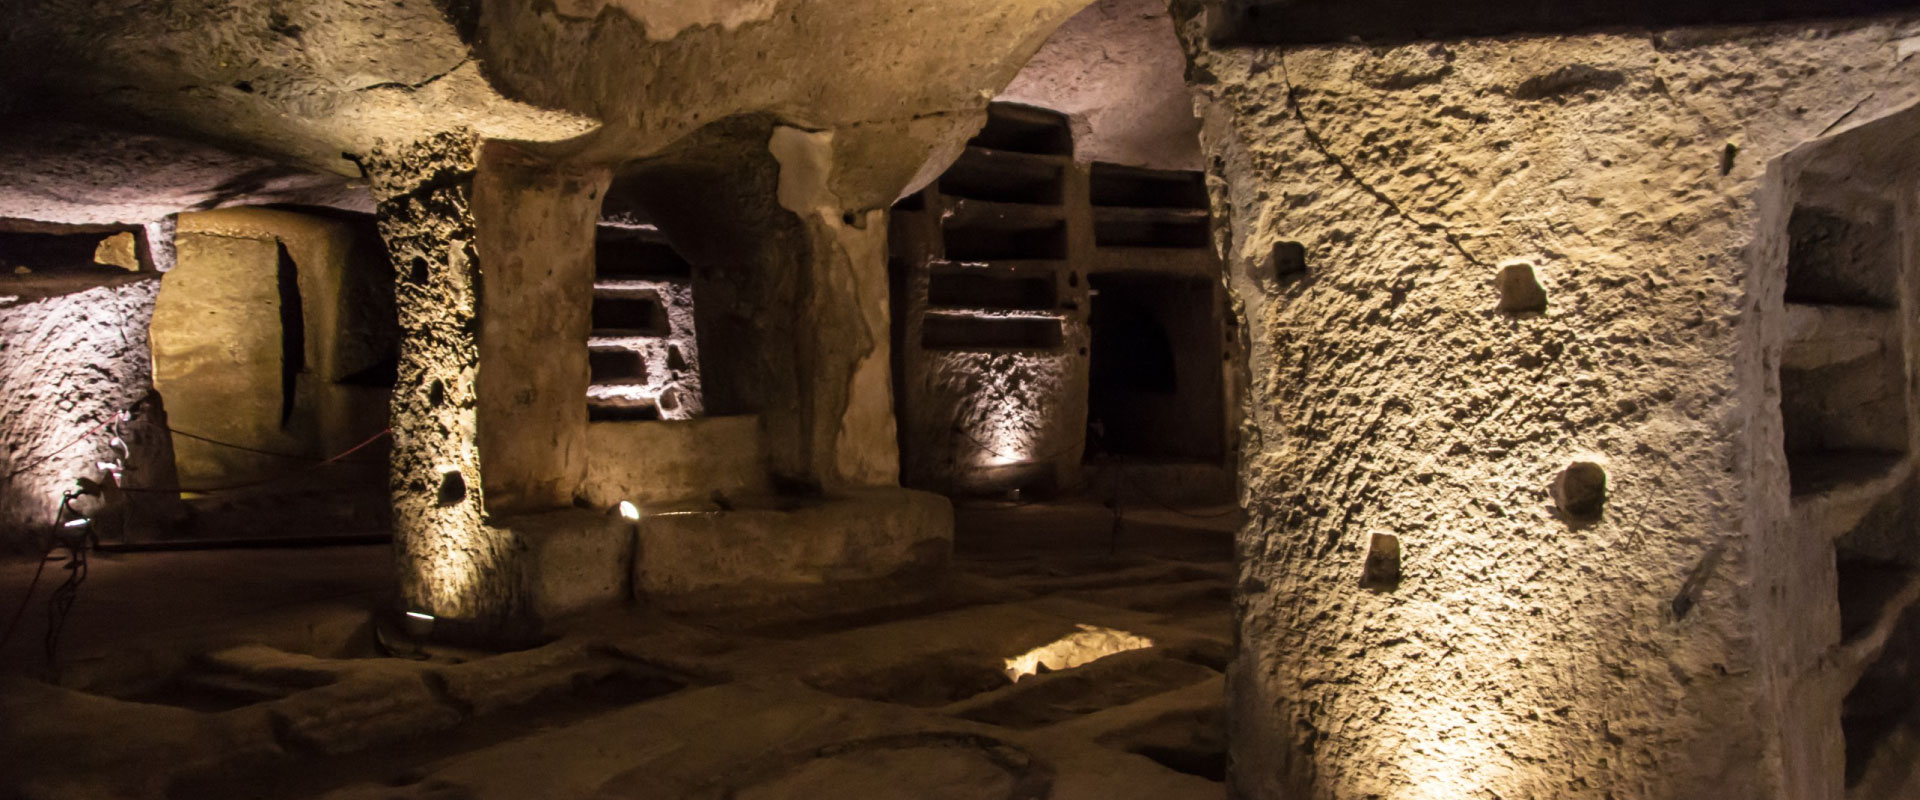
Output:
x=639 y=411
x=1024 y=129
x=635 y=256
x=1010 y=242
x=1134 y=232
x=618 y=315
x=609 y=366
x=1133 y=187
x=1004 y=178
x=976 y=290
x=1843 y=258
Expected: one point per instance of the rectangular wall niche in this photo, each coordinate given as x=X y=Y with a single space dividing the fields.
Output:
x=627 y=315
x=1132 y=187
x=1848 y=423
x=1843 y=376
x=982 y=291
x=993 y=270
x=1007 y=240
x=642 y=353
x=1142 y=208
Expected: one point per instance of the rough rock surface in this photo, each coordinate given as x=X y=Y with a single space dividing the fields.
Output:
x=61 y=171
x=1117 y=71
x=1524 y=655
x=1011 y=409
x=73 y=352
x=450 y=563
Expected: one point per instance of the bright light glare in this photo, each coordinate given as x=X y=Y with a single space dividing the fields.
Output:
x=629 y=510
x=1091 y=643
x=418 y=615
x=77 y=523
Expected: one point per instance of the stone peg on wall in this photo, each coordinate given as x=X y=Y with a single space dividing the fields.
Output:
x=1382 y=572
x=1520 y=289
x=1581 y=490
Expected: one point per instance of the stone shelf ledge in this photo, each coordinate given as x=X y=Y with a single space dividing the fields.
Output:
x=1195 y=261
x=1833 y=492
x=996 y=154
x=1827 y=335
x=969 y=213
x=981 y=312
x=1123 y=214
x=629 y=286
x=1010 y=266
x=621 y=339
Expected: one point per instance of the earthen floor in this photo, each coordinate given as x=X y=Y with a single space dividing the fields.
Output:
x=257 y=674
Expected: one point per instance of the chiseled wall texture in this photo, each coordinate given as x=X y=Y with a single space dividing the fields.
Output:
x=74 y=353
x=1523 y=654
x=535 y=227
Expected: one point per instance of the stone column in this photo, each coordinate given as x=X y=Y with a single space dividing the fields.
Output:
x=844 y=364
x=493 y=267
x=450 y=563
x=1440 y=594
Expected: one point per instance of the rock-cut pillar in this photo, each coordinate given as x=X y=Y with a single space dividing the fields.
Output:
x=488 y=409
x=449 y=562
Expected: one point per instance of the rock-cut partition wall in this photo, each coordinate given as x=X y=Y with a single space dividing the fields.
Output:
x=75 y=355
x=1527 y=642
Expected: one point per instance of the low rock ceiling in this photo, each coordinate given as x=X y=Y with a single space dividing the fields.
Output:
x=313 y=84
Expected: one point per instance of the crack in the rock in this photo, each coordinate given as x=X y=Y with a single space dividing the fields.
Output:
x=412 y=87
x=1346 y=170
x=1849 y=115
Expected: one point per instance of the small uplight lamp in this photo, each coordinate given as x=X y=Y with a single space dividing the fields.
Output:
x=629 y=511
x=418 y=623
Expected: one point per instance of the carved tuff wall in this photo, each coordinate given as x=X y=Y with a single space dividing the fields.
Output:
x=1511 y=457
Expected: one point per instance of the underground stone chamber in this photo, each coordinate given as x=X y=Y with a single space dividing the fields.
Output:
x=1012 y=398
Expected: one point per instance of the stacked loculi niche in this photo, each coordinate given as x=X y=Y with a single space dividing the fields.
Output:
x=1846 y=408
x=993 y=275
x=641 y=352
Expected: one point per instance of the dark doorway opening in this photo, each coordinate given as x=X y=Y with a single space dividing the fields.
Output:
x=1155 y=378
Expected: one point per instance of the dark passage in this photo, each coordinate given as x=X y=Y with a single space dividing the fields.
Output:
x=1155 y=380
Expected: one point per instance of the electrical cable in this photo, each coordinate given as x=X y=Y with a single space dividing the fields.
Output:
x=60 y=603
x=276 y=479
x=244 y=448
x=63 y=448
